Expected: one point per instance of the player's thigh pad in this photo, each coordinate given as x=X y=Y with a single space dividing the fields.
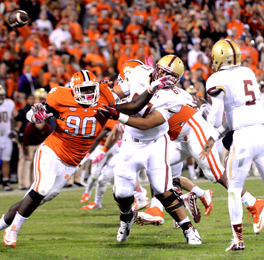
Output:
x=50 y=173
x=158 y=165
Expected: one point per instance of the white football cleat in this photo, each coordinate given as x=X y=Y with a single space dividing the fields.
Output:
x=192 y=236
x=236 y=245
x=124 y=228
x=10 y=236
x=190 y=201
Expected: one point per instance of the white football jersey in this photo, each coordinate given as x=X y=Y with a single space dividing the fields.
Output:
x=5 y=116
x=242 y=100
x=167 y=102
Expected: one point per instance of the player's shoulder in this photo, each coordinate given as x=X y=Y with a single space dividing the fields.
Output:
x=141 y=70
x=9 y=101
x=59 y=96
x=106 y=93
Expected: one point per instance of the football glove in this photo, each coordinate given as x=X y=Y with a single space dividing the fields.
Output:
x=99 y=157
x=40 y=114
x=161 y=83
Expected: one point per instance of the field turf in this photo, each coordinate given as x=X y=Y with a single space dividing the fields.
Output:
x=60 y=230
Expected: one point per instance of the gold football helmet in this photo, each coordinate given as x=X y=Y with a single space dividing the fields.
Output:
x=225 y=54
x=40 y=93
x=191 y=90
x=171 y=64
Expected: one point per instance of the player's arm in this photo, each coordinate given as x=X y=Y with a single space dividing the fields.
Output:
x=215 y=116
x=99 y=138
x=18 y=121
x=111 y=139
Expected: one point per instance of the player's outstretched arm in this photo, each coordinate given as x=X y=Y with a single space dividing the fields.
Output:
x=38 y=113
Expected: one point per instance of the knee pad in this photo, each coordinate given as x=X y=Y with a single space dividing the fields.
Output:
x=169 y=203
x=124 y=202
x=35 y=196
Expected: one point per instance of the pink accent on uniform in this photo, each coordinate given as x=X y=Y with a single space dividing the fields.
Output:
x=119 y=142
x=149 y=61
x=139 y=190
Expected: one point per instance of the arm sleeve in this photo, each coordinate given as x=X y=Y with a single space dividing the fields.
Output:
x=221 y=131
x=215 y=116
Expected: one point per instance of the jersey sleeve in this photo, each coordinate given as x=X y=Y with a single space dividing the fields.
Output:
x=107 y=93
x=214 y=86
x=53 y=98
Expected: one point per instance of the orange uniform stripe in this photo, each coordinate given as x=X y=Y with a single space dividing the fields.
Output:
x=200 y=141
x=39 y=171
x=205 y=139
x=35 y=168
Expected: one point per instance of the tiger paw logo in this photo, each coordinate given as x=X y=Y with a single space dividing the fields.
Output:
x=66 y=176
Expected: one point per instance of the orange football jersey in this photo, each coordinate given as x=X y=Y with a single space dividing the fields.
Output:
x=177 y=121
x=77 y=125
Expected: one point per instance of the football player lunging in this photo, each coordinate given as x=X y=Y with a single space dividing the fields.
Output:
x=55 y=161
x=145 y=142
x=235 y=92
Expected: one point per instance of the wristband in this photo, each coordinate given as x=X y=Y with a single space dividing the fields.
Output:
x=216 y=135
x=150 y=91
x=123 y=118
x=105 y=149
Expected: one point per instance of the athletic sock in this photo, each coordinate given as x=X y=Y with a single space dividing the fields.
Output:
x=18 y=221
x=198 y=191
x=248 y=199
x=3 y=223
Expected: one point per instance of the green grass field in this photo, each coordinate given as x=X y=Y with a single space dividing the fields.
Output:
x=60 y=230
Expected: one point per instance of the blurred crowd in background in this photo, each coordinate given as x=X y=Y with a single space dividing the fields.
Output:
x=65 y=36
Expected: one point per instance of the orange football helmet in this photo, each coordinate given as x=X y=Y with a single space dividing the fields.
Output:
x=126 y=69
x=85 y=87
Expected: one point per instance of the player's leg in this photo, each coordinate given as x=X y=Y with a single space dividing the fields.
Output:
x=160 y=178
x=141 y=199
x=6 y=157
x=131 y=159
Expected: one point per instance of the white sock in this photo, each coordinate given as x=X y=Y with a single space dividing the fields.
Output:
x=198 y=191
x=184 y=221
x=248 y=199
x=3 y=223
x=83 y=173
x=18 y=220
x=191 y=171
x=156 y=203
x=235 y=207
x=98 y=200
x=90 y=185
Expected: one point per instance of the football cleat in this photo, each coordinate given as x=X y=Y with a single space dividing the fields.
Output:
x=236 y=246
x=257 y=213
x=91 y=205
x=152 y=216
x=124 y=228
x=7 y=187
x=85 y=197
x=206 y=199
x=140 y=204
x=190 y=201
x=192 y=236
x=10 y=236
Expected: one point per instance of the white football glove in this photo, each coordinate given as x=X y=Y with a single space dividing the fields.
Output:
x=39 y=113
x=161 y=83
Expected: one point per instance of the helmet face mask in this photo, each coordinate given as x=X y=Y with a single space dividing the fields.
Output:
x=85 y=88
x=169 y=65
x=226 y=54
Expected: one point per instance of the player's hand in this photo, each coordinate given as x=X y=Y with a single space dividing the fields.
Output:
x=108 y=112
x=99 y=157
x=13 y=136
x=207 y=148
x=149 y=61
x=161 y=83
x=39 y=113
x=198 y=101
